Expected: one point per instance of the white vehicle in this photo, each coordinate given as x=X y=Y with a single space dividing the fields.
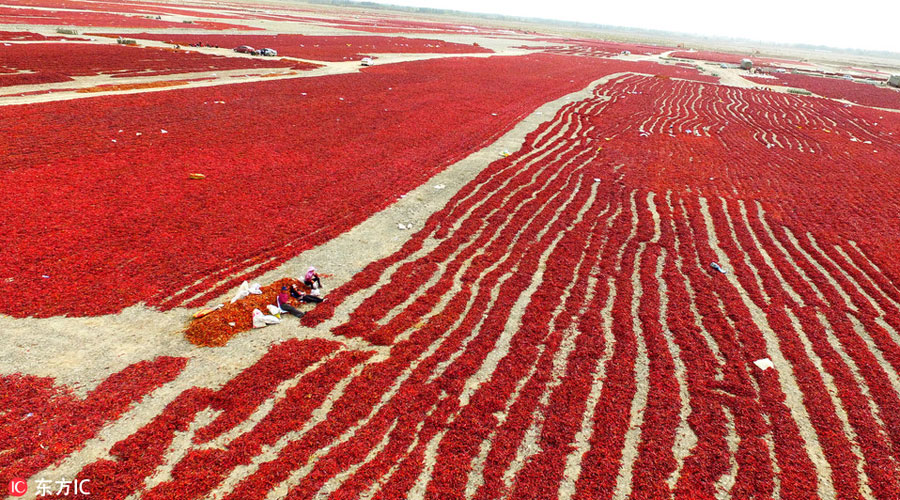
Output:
x=366 y=61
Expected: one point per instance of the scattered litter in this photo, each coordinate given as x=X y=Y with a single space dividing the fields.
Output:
x=231 y=323
x=120 y=131
x=29 y=415
x=138 y=134
x=440 y=186
x=409 y=225
x=764 y=364
x=44 y=276
x=203 y=312
x=505 y=153
x=197 y=176
x=114 y=140
x=717 y=267
x=163 y=131
x=401 y=226
x=493 y=114
x=596 y=179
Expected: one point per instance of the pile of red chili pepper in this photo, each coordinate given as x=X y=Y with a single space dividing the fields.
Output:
x=218 y=327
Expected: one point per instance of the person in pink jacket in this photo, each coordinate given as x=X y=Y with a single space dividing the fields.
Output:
x=312 y=278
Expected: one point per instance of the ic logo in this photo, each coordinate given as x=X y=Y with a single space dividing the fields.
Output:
x=18 y=487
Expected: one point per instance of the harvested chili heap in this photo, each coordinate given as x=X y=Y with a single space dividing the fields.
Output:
x=218 y=327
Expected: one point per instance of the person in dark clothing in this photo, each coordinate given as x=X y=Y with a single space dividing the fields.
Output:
x=282 y=302
x=302 y=297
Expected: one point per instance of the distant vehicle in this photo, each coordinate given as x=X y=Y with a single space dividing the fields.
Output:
x=268 y=52
x=244 y=49
x=367 y=61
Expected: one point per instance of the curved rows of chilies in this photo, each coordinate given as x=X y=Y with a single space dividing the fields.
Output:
x=858 y=426
x=798 y=476
x=358 y=401
x=560 y=332
x=835 y=445
x=43 y=423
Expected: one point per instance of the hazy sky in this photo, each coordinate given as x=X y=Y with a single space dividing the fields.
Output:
x=864 y=24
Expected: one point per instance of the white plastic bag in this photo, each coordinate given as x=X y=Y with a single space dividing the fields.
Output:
x=242 y=291
x=254 y=289
x=273 y=309
x=258 y=321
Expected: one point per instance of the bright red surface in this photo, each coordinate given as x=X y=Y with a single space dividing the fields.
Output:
x=322 y=48
x=522 y=322
x=28 y=36
x=120 y=222
x=838 y=88
x=58 y=62
x=10 y=15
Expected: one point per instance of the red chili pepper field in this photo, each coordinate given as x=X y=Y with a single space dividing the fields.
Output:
x=551 y=270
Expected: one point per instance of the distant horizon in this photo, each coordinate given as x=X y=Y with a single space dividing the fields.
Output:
x=820 y=26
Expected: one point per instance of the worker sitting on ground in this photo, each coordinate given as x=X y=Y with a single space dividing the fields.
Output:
x=282 y=302
x=312 y=278
x=302 y=297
